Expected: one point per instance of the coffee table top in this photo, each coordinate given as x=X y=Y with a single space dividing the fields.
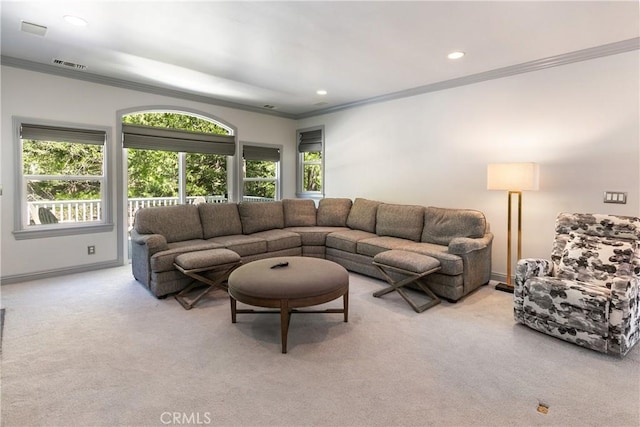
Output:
x=303 y=277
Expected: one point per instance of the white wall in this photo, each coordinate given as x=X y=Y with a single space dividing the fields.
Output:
x=37 y=95
x=580 y=122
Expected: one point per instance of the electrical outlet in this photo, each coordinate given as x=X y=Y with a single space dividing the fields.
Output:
x=91 y=250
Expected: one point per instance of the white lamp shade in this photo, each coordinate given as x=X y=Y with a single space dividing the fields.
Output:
x=512 y=176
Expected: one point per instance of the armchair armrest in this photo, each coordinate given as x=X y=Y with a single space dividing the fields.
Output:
x=527 y=268
x=623 y=313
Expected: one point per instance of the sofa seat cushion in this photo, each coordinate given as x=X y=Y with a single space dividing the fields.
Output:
x=347 y=240
x=373 y=246
x=261 y=216
x=575 y=305
x=278 y=240
x=242 y=244
x=219 y=219
x=362 y=215
x=175 y=223
x=451 y=264
x=299 y=212
x=333 y=212
x=163 y=260
x=314 y=236
x=441 y=225
x=404 y=221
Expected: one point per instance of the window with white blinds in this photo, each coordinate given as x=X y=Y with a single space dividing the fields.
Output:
x=63 y=184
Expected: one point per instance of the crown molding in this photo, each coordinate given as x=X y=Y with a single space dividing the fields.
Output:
x=140 y=87
x=526 y=67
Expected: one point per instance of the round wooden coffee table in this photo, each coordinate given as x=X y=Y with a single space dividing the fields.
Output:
x=294 y=282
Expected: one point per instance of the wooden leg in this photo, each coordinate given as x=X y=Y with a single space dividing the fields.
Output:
x=345 y=305
x=233 y=309
x=200 y=279
x=284 y=323
x=411 y=278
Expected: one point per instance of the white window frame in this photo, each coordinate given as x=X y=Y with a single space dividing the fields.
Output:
x=22 y=228
x=277 y=179
x=300 y=192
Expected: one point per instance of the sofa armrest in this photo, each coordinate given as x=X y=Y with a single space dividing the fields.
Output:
x=153 y=242
x=143 y=246
x=476 y=259
x=464 y=245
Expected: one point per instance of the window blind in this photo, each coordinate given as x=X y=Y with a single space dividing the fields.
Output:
x=250 y=152
x=310 y=141
x=155 y=138
x=61 y=134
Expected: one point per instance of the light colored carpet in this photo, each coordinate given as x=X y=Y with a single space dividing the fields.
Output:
x=97 y=349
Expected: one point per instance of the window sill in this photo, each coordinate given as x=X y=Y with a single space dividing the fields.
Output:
x=36 y=232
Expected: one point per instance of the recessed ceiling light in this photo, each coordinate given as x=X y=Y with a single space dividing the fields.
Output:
x=455 y=55
x=75 y=20
x=321 y=92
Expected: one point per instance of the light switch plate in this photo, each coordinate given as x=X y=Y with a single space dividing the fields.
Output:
x=615 y=197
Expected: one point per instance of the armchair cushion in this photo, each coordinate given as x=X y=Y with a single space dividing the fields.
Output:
x=595 y=259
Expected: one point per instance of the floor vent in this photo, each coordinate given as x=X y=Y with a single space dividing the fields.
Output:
x=69 y=64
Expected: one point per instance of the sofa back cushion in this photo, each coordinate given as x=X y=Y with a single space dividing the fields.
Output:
x=441 y=224
x=333 y=212
x=404 y=221
x=261 y=216
x=175 y=223
x=299 y=212
x=219 y=219
x=362 y=215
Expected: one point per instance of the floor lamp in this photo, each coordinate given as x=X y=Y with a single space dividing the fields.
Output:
x=514 y=178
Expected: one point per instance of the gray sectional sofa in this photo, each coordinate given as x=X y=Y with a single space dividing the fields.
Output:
x=347 y=232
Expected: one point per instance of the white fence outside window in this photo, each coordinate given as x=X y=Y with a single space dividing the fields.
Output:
x=67 y=211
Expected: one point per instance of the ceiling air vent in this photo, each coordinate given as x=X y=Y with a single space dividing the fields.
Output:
x=69 y=64
x=31 y=28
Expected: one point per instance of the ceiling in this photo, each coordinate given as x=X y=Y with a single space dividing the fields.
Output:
x=257 y=54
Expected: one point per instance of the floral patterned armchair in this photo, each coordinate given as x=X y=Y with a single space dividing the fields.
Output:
x=588 y=293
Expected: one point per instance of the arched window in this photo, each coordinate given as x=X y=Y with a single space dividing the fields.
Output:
x=175 y=158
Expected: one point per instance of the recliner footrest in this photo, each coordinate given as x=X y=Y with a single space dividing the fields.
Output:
x=412 y=265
